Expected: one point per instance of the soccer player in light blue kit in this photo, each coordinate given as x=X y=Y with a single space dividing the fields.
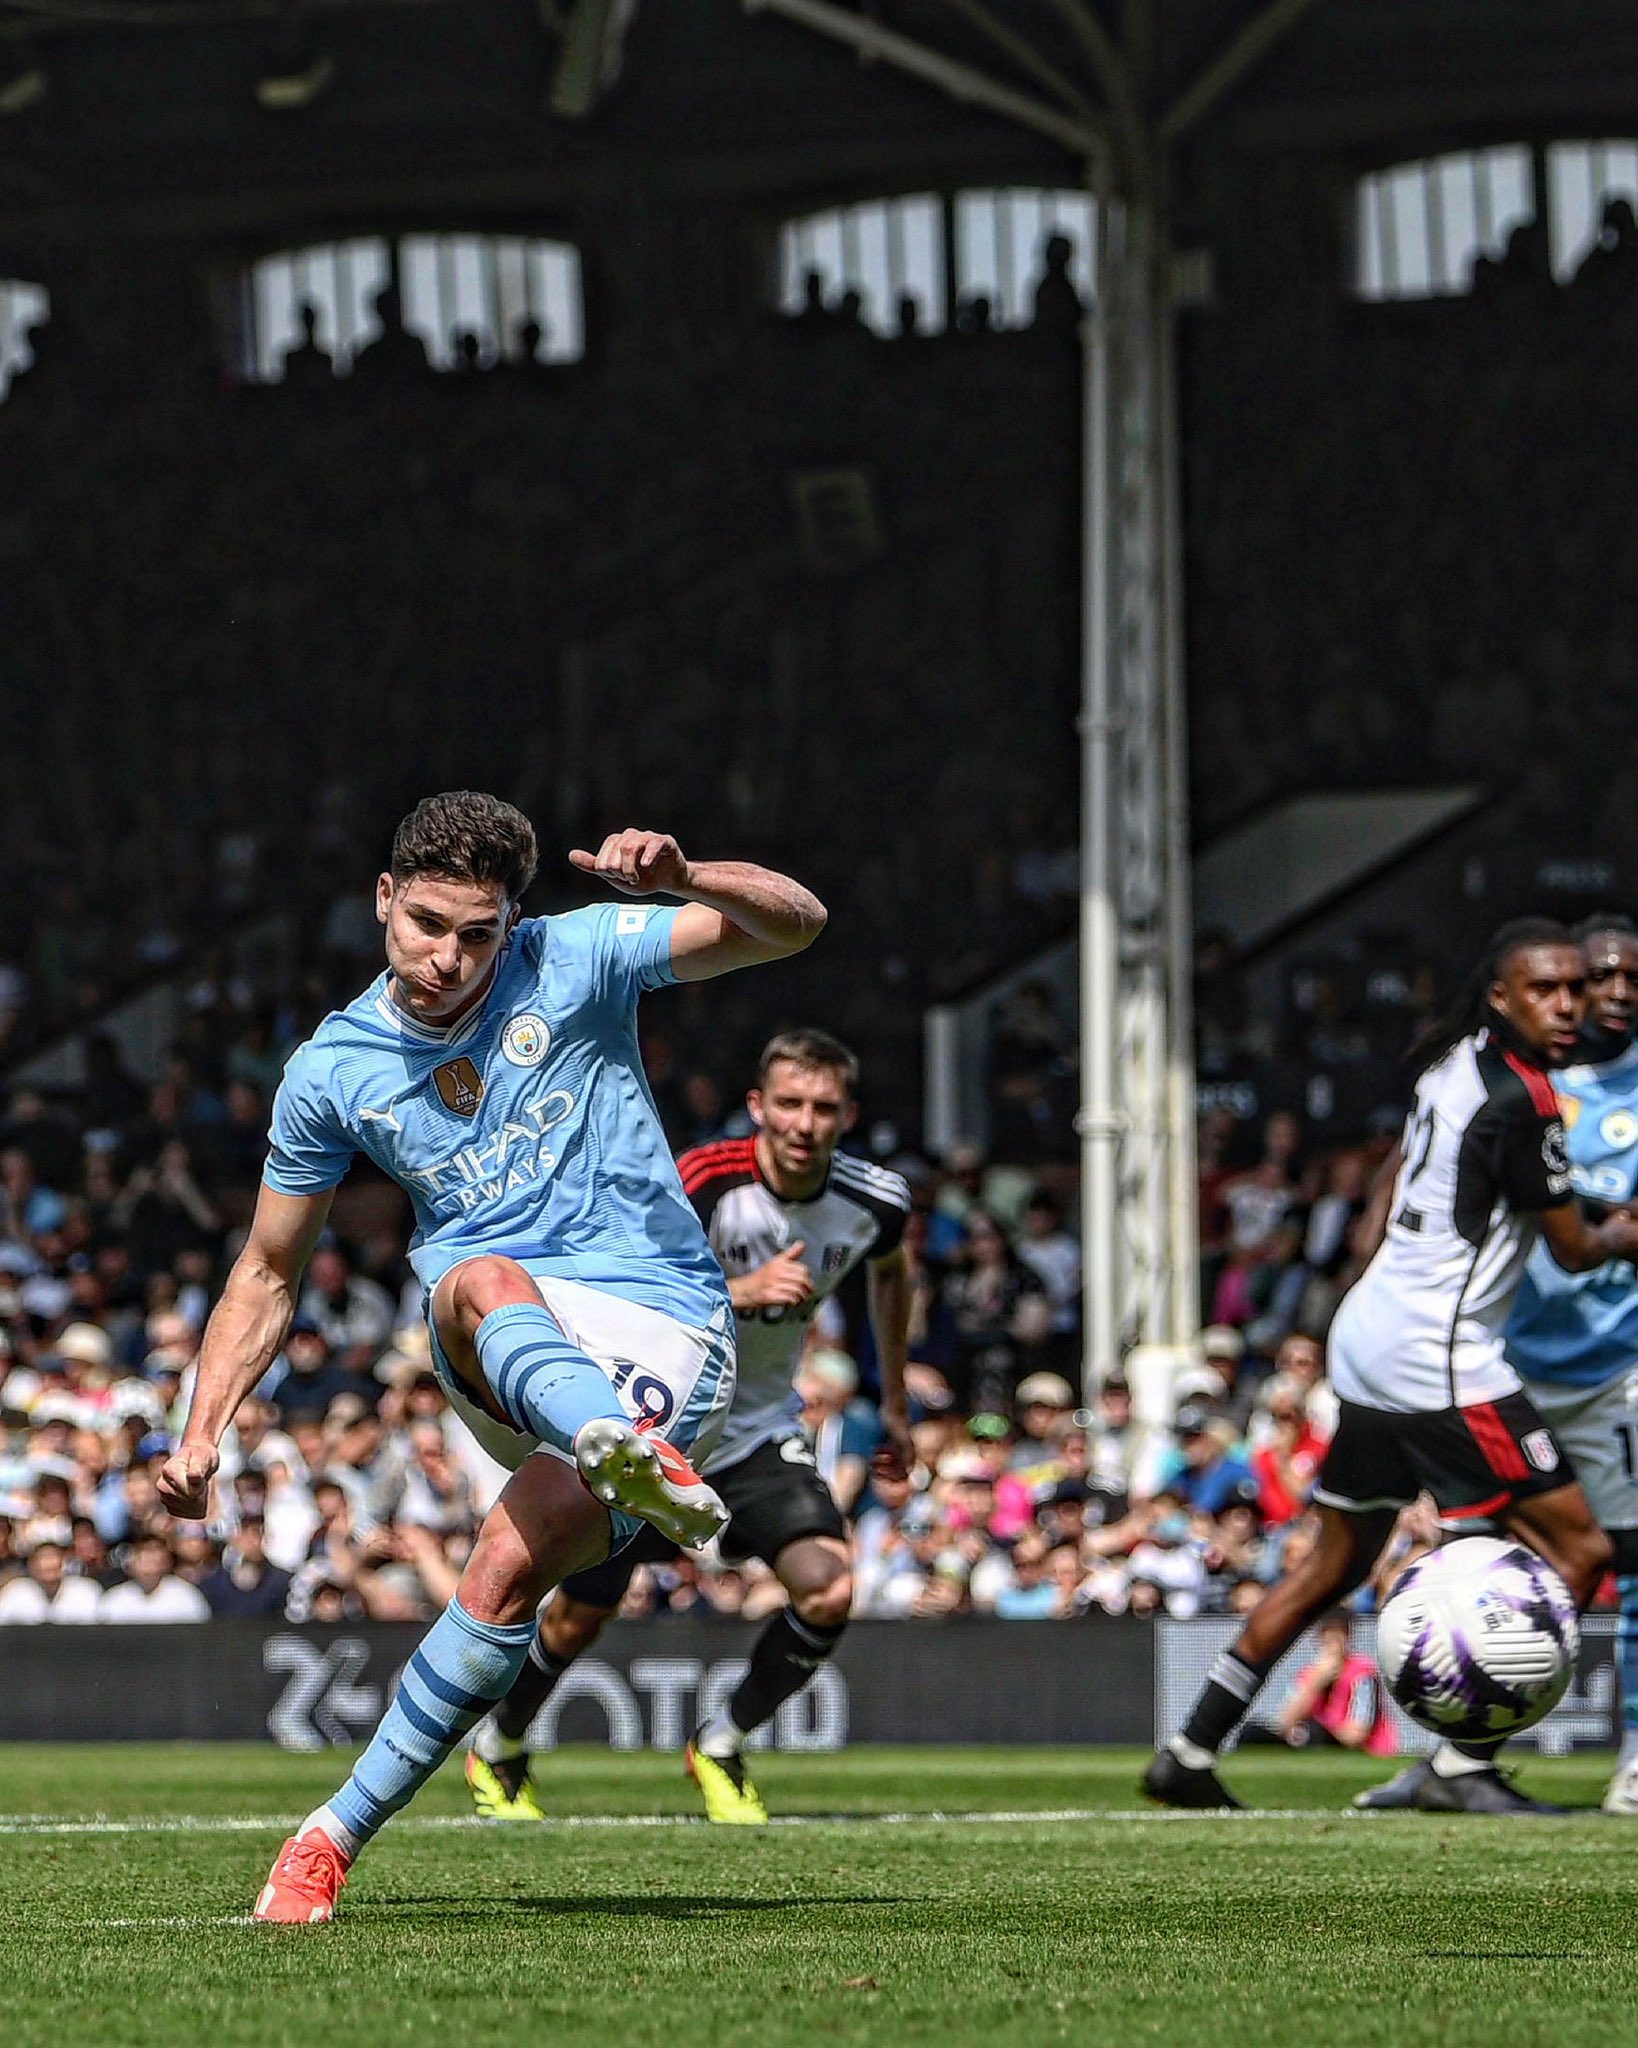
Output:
x=580 y=1322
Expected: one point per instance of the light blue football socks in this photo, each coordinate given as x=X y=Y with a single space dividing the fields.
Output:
x=461 y=1669
x=547 y=1388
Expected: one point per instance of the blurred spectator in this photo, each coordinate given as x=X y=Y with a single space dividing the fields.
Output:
x=998 y=1311
x=47 y=1592
x=153 y=1592
x=1033 y=1594
x=1260 y=1199
x=1206 y=1472
x=842 y=1429
x=1112 y=1438
x=1288 y=1451
x=1222 y=1351
x=1336 y=1702
x=244 y=1583
x=353 y=1315
x=308 y=1378
x=1053 y=1255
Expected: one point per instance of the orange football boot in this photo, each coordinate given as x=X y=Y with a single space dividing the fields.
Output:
x=305 y=1881
x=628 y=1466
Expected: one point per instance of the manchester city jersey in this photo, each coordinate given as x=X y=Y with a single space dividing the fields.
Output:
x=526 y=1128
x=1580 y=1329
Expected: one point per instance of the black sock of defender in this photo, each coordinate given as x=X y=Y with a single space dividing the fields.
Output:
x=787 y=1654
x=530 y=1690
x=1231 y=1686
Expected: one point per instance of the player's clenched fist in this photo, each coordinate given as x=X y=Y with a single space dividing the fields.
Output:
x=637 y=863
x=781 y=1282
x=184 y=1480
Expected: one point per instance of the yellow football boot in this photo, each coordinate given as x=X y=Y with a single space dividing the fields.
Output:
x=502 y=1791
x=731 y=1800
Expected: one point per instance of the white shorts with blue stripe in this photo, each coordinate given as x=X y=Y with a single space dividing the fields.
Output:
x=677 y=1377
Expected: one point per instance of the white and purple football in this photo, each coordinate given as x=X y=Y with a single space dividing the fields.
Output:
x=1478 y=1639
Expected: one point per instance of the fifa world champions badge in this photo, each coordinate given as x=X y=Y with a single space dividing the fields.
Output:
x=459 y=1086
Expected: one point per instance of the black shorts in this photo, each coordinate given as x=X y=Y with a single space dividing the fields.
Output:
x=774 y=1497
x=1475 y=1461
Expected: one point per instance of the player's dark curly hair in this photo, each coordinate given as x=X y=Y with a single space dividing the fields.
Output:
x=809 y=1047
x=465 y=836
x=1471 y=1007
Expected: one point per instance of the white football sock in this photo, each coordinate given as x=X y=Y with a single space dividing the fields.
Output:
x=720 y=1737
x=492 y=1745
x=1449 y=1762
x=327 y=1823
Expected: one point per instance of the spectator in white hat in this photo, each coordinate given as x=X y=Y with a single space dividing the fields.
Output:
x=1222 y=1351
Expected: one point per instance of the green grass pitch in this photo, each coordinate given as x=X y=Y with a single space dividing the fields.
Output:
x=942 y=1896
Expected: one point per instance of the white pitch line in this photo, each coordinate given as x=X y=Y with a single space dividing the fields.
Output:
x=224 y=1824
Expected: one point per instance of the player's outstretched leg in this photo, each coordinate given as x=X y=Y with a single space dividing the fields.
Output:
x=497 y=1764
x=489 y=1311
x=1184 y=1773
x=543 y=1525
x=791 y=1647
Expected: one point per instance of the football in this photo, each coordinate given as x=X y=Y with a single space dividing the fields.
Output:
x=1478 y=1639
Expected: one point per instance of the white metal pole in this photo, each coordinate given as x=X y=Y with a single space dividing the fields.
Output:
x=1183 y=1236
x=1099 y=1121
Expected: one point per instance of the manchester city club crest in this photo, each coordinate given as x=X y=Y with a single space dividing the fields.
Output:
x=459 y=1086
x=527 y=1039
x=1619 y=1129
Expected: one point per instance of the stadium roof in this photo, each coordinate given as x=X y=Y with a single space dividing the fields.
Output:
x=181 y=116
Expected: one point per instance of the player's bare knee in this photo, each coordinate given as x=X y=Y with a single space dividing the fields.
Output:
x=826 y=1606
x=479 y=1286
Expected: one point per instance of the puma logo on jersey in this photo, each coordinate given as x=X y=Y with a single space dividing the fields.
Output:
x=381 y=1116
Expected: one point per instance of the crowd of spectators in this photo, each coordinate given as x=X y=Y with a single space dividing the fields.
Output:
x=215 y=698
x=348 y=1490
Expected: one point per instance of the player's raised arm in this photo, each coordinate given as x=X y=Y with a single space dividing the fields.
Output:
x=245 y=1332
x=735 y=914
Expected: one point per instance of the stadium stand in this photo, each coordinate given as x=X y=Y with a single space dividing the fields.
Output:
x=179 y=806
x=772 y=523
